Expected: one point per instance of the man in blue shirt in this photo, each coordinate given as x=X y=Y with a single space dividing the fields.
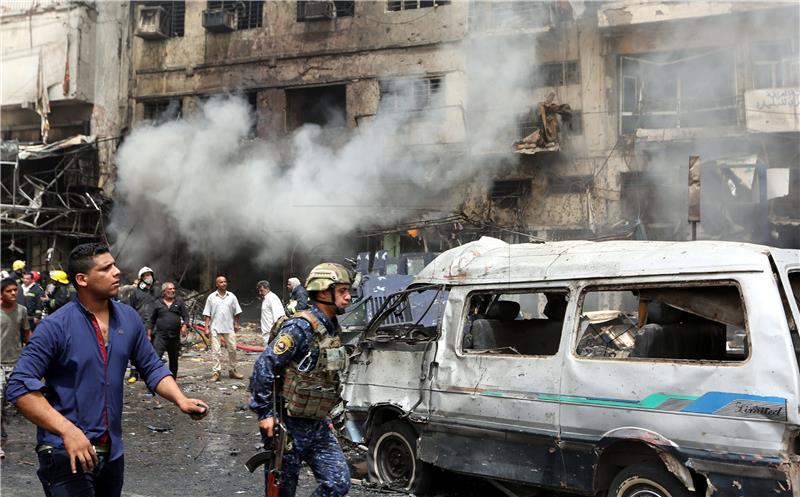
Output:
x=81 y=351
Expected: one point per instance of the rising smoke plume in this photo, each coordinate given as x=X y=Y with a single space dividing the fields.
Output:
x=200 y=179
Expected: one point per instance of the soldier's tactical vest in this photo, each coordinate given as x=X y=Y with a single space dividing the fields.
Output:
x=314 y=394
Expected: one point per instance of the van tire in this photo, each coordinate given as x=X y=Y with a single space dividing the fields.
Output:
x=655 y=480
x=392 y=459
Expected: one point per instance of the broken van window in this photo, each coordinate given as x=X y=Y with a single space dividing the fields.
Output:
x=681 y=323
x=522 y=323
x=409 y=316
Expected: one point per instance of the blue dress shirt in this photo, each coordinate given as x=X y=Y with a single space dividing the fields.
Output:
x=65 y=351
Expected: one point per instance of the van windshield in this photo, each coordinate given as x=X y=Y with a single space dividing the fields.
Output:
x=408 y=316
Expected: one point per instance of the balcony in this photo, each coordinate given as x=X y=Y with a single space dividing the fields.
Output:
x=628 y=13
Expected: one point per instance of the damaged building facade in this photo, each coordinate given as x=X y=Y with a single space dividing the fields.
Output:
x=620 y=95
x=595 y=142
x=64 y=107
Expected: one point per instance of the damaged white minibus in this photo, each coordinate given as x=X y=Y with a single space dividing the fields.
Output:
x=622 y=368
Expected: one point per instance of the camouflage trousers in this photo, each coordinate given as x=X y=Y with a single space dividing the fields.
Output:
x=314 y=443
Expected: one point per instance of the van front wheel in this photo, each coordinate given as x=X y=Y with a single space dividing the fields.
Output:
x=392 y=458
x=646 y=480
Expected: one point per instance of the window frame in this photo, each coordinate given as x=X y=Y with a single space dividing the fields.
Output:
x=169 y=7
x=240 y=8
x=434 y=85
x=405 y=5
x=714 y=280
x=677 y=107
x=563 y=287
x=780 y=66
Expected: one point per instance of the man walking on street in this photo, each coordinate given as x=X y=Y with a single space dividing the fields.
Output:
x=68 y=381
x=308 y=356
x=167 y=325
x=271 y=309
x=298 y=296
x=15 y=331
x=221 y=315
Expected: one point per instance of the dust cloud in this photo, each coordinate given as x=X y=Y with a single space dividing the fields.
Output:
x=204 y=182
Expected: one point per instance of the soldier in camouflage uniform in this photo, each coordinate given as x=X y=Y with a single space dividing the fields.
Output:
x=305 y=359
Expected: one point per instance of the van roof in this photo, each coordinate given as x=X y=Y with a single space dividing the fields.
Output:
x=490 y=260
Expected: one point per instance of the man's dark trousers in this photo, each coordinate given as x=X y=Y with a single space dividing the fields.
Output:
x=105 y=480
x=172 y=346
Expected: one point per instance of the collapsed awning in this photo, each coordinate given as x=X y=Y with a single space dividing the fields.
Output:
x=41 y=151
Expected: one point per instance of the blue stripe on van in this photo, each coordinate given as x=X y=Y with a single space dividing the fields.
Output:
x=711 y=402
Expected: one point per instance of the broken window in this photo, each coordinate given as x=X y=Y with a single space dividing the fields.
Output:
x=569 y=184
x=249 y=14
x=508 y=193
x=515 y=14
x=159 y=111
x=407 y=94
x=517 y=323
x=776 y=64
x=556 y=74
x=175 y=11
x=677 y=90
x=702 y=322
x=397 y=5
x=322 y=105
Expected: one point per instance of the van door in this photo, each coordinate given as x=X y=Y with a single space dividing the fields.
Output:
x=493 y=411
x=787 y=263
x=697 y=368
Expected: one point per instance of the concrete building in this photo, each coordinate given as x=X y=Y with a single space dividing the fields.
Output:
x=64 y=105
x=648 y=85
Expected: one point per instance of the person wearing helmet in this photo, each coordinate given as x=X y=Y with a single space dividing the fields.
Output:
x=308 y=356
x=143 y=298
x=17 y=270
x=145 y=295
x=59 y=292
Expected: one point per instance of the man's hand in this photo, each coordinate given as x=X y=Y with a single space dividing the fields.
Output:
x=183 y=331
x=267 y=426
x=195 y=408
x=79 y=448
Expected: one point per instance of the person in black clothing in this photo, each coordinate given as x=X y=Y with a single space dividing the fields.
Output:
x=167 y=324
x=143 y=299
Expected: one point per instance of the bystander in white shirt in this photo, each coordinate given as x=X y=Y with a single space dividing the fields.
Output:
x=222 y=309
x=271 y=310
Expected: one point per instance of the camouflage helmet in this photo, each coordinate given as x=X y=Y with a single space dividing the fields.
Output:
x=324 y=275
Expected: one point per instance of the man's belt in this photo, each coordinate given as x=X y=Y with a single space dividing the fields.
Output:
x=98 y=448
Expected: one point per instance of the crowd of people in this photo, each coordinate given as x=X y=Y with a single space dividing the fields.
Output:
x=57 y=365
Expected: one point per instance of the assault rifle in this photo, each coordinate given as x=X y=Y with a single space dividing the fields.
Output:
x=272 y=458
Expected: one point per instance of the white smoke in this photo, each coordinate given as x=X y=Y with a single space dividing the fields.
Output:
x=200 y=179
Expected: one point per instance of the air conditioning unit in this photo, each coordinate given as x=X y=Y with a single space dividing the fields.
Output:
x=153 y=23
x=219 y=20
x=316 y=9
